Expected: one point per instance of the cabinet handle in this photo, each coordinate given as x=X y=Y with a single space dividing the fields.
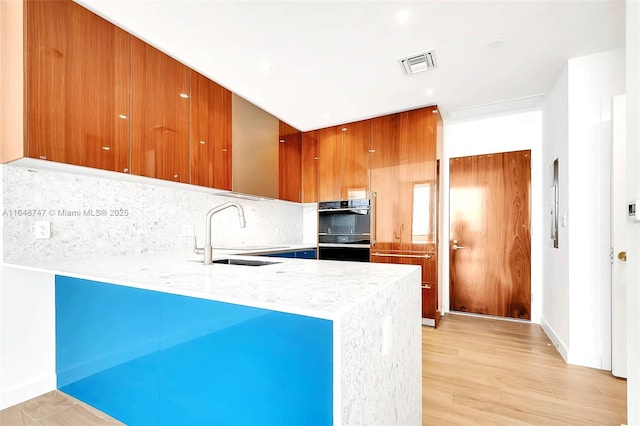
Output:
x=125 y=170
x=417 y=256
x=373 y=217
x=426 y=287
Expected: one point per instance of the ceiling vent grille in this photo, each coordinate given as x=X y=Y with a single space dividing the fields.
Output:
x=418 y=63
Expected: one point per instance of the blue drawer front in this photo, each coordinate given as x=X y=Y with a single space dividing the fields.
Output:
x=151 y=358
x=301 y=254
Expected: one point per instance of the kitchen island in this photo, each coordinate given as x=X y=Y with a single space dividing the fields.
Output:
x=302 y=341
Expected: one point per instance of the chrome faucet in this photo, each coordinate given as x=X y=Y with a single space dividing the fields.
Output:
x=208 y=249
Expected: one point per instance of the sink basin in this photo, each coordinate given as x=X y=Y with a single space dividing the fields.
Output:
x=244 y=262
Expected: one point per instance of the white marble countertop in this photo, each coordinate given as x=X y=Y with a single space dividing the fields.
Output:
x=318 y=288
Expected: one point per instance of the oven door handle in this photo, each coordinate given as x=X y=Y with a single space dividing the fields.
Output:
x=416 y=256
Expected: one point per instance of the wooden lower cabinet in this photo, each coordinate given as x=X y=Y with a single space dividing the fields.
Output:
x=421 y=255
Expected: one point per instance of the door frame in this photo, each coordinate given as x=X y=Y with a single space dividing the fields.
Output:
x=515 y=131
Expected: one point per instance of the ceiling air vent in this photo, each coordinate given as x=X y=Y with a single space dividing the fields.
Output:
x=418 y=63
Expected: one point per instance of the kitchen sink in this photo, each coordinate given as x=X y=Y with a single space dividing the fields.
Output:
x=245 y=262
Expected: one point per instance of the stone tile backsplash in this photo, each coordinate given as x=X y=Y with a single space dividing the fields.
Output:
x=100 y=215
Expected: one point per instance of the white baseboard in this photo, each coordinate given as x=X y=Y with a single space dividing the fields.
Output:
x=559 y=345
x=585 y=359
x=26 y=391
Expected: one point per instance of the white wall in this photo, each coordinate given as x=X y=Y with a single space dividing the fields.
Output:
x=593 y=81
x=555 y=287
x=27 y=335
x=515 y=132
x=633 y=192
x=577 y=131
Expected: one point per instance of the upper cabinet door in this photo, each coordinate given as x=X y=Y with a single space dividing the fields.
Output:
x=78 y=85
x=330 y=163
x=356 y=138
x=310 y=167
x=160 y=101
x=417 y=185
x=403 y=176
x=385 y=175
x=210 y=133
x=290 y=163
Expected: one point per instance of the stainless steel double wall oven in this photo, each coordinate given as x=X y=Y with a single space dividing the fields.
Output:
x=344 y=230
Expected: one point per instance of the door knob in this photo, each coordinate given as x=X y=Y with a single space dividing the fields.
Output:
x=455 y=245
x=622 y=256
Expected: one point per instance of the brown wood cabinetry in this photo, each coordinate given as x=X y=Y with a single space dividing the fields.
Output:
x=210 y=133
x=78 y=82
x=356 y=140
x=98 y=97
x=330 y=159
x=290 y=163
x=310 y=166
x=160 y=114
x=403 y=179
x=343 y=161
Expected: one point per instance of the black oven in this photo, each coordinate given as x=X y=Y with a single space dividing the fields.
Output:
x=344 y=230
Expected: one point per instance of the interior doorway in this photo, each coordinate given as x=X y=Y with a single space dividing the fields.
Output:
x=490 y=236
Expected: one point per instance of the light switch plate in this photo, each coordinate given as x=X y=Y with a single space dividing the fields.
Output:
x=42 y=230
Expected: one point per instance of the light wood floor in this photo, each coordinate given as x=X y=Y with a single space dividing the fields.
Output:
x=476 y=371
x=54 y=409
x=481 y=371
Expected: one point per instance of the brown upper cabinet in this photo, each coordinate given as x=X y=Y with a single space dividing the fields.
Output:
x=290 y=163
x=310 y=166
x=99 y=97
x=210 y=133
x=343 y=161
x=160 y=99
x=78 y=82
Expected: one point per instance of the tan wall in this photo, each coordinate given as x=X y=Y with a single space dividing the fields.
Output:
x=255 y=149
x=11 y=80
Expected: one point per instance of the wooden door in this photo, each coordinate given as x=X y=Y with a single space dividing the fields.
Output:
x=290 y=163
x=78 y=86
x=490 y=247
x=330 y=160
x=310 y=167
x=210 y=133
x=161 y=110
x=356 y=139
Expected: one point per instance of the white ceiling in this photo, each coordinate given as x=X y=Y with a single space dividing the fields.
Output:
x=335 y=61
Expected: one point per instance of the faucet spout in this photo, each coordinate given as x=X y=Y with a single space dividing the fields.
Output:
x=208 y=248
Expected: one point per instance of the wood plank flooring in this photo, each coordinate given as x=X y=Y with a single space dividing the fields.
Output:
x=476 y=371
x=483 y=371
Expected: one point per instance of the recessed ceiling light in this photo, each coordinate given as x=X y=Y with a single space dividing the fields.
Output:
x=265 y=67
x=496 y=43
x=402 y=16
